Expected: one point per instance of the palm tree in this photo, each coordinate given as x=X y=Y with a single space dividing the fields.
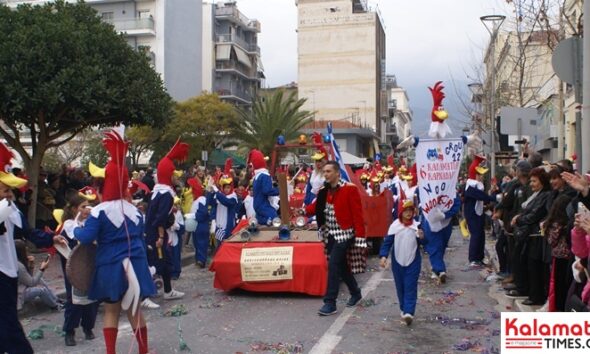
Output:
x=270 y=117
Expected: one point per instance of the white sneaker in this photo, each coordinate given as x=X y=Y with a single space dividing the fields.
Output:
x=149 y=304
x=442 y=277
x=433 y=275
x=173 y=295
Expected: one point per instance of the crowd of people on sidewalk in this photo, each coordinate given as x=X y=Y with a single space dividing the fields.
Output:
x=539 y=217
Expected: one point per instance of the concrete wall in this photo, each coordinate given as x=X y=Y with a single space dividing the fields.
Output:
x=182 y=48
x=208 y=48
x=337 y=61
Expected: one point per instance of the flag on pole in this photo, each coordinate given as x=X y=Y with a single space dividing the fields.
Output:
x=337 y=156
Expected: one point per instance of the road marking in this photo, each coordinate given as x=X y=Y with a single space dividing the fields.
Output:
x=330 y=339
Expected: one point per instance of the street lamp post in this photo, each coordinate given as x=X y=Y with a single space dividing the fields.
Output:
x=492 y=23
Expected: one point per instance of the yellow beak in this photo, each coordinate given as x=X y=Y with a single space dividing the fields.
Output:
x=442 y=115
x=481 y=170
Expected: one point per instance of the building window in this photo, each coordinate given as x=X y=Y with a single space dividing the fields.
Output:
x=107 y=16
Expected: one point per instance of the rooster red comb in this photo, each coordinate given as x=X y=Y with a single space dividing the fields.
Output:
x=317 y=138
x=5 y=177
x=179 y=151
x=437 y=94
x=228 y=166
x=196 y=187
x=116 y=174
x=5 y=157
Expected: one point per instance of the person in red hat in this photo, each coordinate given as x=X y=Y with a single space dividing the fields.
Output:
x=159 y=217
x=262 y=189
x=475 y=197
x=13 y=225
x=316 y=180
x=121 y=275
x=402 y=239
x=200 y=211
x=226 y=204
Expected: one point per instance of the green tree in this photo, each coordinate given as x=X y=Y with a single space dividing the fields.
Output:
x=64 y=70
x=204 y=122
x=94 y=152
x=270 y=117
x=143 y=138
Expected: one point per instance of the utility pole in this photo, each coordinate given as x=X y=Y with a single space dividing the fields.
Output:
x=495 y=21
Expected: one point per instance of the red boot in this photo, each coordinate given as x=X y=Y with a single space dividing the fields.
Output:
x=110 y=339
x=142 y=340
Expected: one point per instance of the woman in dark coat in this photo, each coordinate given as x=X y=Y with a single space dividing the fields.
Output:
x=534 y=281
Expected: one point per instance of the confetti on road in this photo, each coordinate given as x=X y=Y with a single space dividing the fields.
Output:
x=176 y=311
x=449 y=297
x=367 y=303
x=466 y=345
x=38 y=333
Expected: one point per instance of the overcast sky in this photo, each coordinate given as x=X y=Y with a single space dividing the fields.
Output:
x=427 y=41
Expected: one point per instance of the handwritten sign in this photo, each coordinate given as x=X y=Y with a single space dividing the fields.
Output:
x=438 y=163
x=267 y=263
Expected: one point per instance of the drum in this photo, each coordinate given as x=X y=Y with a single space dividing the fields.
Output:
x=80 y=266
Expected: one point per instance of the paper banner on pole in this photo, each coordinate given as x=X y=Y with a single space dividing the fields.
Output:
x=438 y=164
x=267 y=263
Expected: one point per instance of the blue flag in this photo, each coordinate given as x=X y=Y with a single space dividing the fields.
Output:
x=337 y=156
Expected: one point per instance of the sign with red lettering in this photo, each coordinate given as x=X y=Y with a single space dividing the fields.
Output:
x=437 y=164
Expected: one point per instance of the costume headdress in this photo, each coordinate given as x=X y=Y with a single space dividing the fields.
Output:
x=476 y=168
x=196 y=187
x=166 y=168
x=256 y=159
x=438 y=126
x=7 y=177
x=116 y=176
x=320 y=152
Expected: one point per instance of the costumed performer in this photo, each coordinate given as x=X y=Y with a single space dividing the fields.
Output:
x=402 y=239
x=121 y=276
x=201 y=214
x=159 y=217
x=338 y=212
x=475 y=197
x=262 y=189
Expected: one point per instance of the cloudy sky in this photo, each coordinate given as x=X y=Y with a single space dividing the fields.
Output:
x=427 y=41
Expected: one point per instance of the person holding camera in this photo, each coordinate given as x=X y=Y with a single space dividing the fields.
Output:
x=30 y=283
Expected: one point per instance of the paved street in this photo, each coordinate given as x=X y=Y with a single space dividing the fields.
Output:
x=459 y=316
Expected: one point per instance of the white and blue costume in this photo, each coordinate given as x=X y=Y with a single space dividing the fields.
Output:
x=437 y=237
x=262 y=189
x=117 y=227
x=405 y=262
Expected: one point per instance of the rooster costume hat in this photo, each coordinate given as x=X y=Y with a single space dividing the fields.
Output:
x=262 y=189
x=438 y=126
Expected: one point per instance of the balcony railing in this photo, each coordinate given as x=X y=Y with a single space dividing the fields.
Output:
x=240 y=68
x=228 y=38
x=241 y=94
x=236 y=15
x=134 y=25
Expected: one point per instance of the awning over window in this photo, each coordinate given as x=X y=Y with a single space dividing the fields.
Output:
x=243 y=57
x=222 y=51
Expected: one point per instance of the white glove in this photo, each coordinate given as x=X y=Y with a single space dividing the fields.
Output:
x=437 y=215
x=213 y=227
